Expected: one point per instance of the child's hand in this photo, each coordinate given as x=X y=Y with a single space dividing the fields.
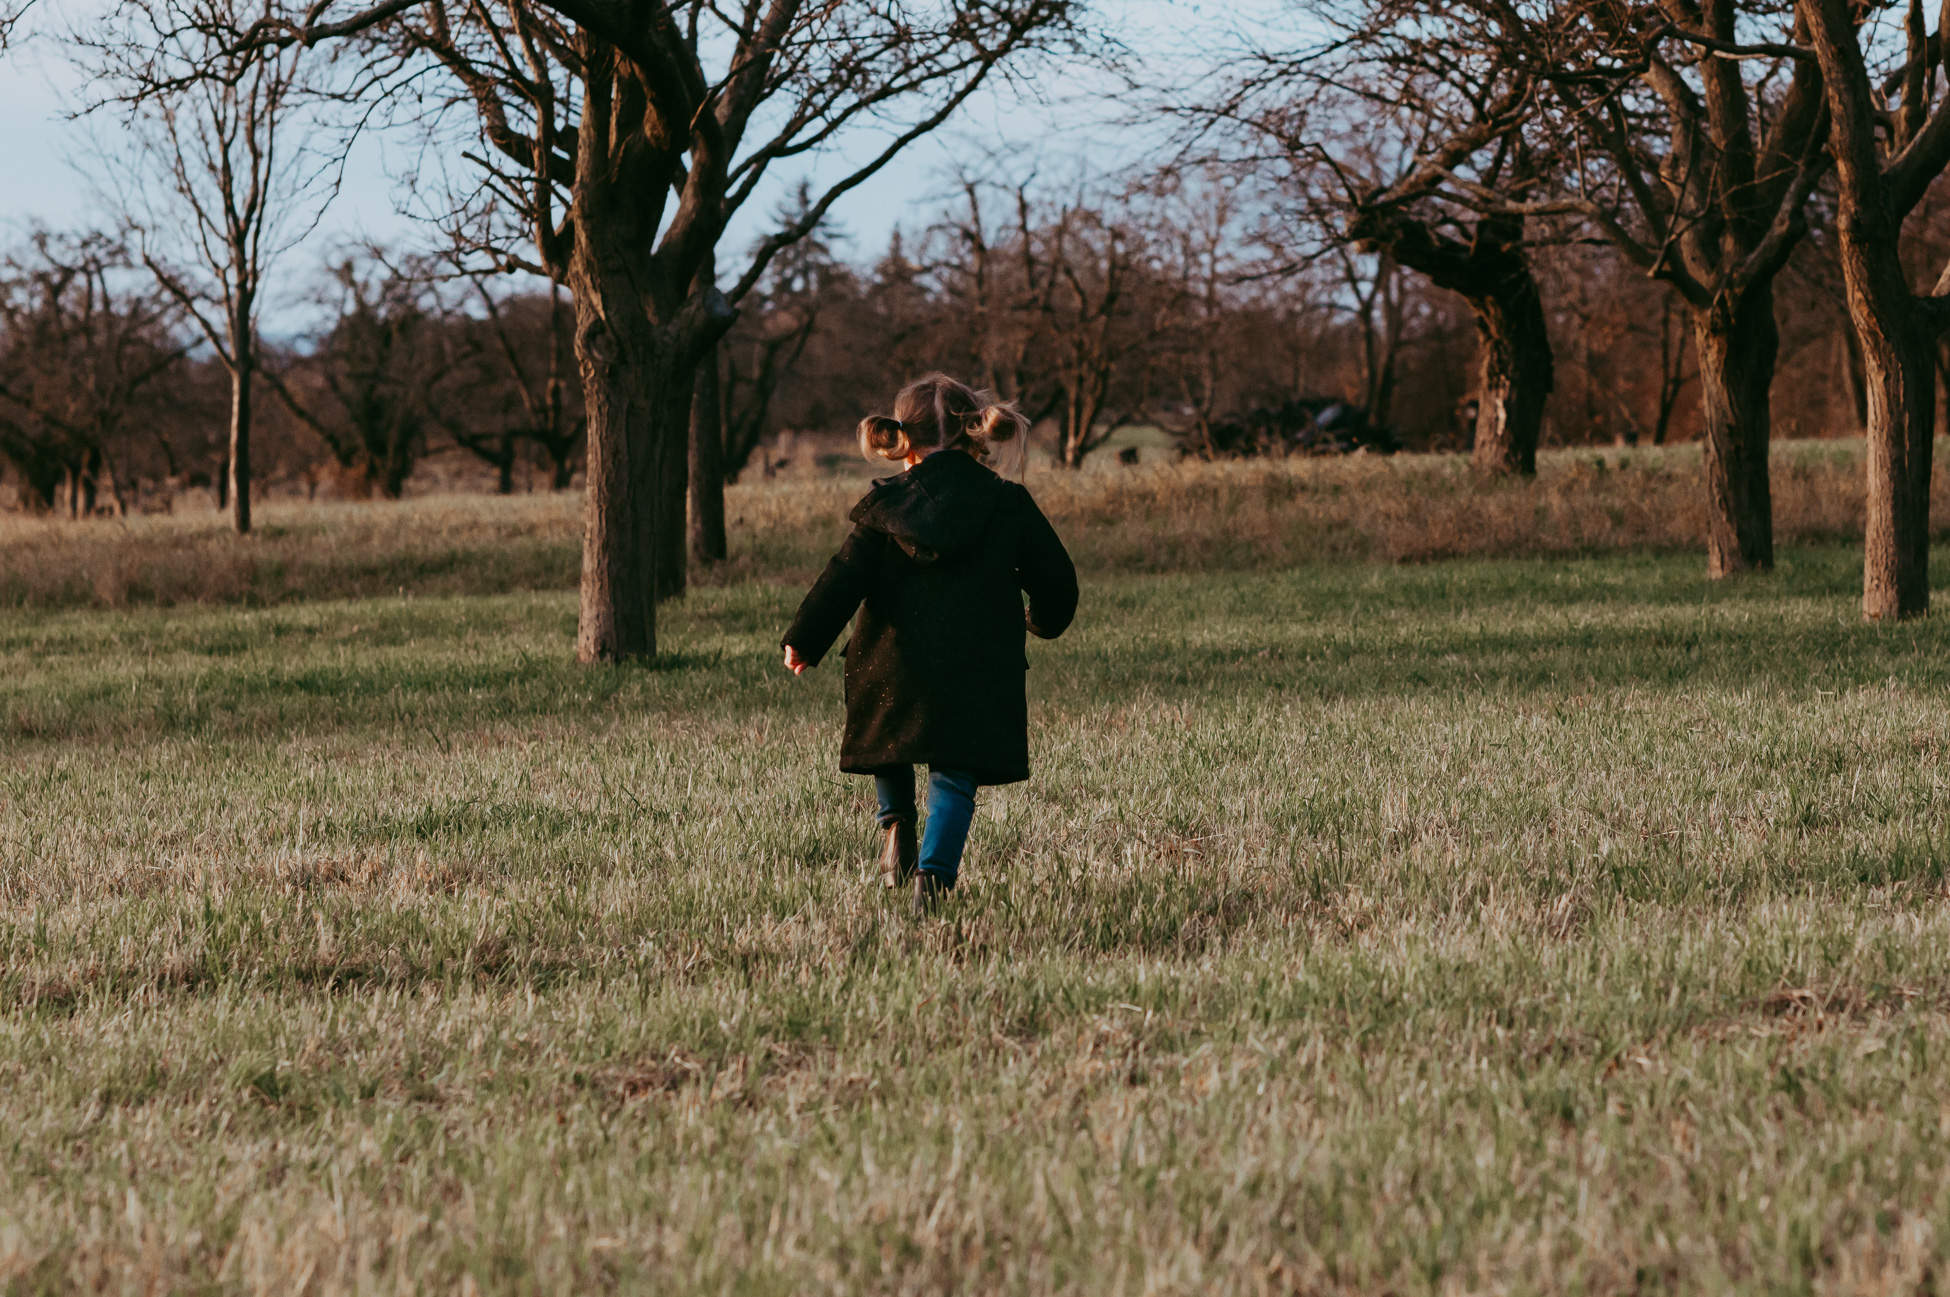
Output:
x=793 y=662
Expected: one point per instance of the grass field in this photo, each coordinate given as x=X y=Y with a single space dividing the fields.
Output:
x=1548 y=925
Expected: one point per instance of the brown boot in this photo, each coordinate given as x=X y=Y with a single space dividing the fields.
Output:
x=928 y=891
x=899 y=854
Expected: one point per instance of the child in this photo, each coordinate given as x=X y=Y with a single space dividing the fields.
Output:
x=937 y=564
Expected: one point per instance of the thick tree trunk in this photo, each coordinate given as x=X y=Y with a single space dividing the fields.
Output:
x=505 y=466
x=1902 y=423
x=636 y=347
x=240 y=442
x=1900 y=392
x=618 y=616
x=1516 y=373
x=1516 y=376
x=707 y=464
x=1896 y=340
x=637 y=393
x=1737 y=342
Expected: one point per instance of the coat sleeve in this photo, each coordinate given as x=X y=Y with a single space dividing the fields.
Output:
x=1047 y=575
x=836 y=595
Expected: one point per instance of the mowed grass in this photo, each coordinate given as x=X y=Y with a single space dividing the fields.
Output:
x=1492 y=925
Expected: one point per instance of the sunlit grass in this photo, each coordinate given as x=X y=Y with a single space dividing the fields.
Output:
x=1528 y=925
x=1161 y=516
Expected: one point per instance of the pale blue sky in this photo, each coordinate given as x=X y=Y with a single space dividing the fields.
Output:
x=43 y=155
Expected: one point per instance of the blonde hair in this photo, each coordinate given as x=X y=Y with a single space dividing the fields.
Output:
x=937 y=412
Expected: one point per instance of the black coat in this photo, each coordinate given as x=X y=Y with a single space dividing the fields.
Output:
x=937 y=564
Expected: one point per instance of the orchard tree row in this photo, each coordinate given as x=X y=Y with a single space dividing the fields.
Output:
x=1604 y=218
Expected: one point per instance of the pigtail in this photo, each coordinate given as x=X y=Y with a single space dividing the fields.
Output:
x=1001 y=421
x=883 y=437
x=935 y=412
x=1001 y=436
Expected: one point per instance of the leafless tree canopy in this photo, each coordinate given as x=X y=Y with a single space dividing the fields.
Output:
x=1475 y=225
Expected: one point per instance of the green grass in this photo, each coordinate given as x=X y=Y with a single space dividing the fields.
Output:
x=1528 y=926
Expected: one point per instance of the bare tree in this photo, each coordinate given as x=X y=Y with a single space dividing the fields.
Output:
x=216 y=189
x=1202 y=247
x=779 y=320
x=11 y=12
x=1701 y=143
x=990 y=271
x=518 y=389
x=1105 y=308
x=370 y=386
x=1387 y=134
x=1372 y=286
x=625 y=136
x=1891 y=139
x=738 y=376
x=80 y=350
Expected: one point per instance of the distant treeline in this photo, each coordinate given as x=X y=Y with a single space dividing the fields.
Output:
x=1094 y=315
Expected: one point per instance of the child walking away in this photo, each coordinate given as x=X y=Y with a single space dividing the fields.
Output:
x=937 y=565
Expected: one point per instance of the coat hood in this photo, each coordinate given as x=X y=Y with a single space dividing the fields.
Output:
x=938 y=508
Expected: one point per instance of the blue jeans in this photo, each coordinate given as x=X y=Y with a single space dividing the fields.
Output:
x=951 y=806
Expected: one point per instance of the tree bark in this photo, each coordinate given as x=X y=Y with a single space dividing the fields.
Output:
x=1902 y=427
x=1736 y=343
x=618 y=617
x=1900 y=396
x=707 y=464
x=636 y=378
x=1516 y=369
x=618 y=353
x=1516 y=376
x=243 y=361
x=240 y=446
x=1897 y=341
x=673 y=481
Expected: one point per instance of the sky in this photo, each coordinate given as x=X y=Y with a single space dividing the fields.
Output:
x=45 y=154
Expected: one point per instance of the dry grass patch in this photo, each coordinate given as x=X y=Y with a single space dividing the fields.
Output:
x=1168 y=517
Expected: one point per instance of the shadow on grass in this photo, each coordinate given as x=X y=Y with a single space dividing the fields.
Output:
x=1350 y=631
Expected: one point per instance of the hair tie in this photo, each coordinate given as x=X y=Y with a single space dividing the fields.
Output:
x=899 y=426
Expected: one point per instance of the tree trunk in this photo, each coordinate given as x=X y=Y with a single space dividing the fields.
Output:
x=632 y=373
x=1854 y=389
x=618 y=618
x=636 y=352
x=673 y=484
x=1898 y=368
x=1902 y=424
x=1517 y=375
x=40 y=477
x=240 y=437
x=1900 y=393
x=707 y=464
x=505 y=466
x=86 y=480
x=1737 y=342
